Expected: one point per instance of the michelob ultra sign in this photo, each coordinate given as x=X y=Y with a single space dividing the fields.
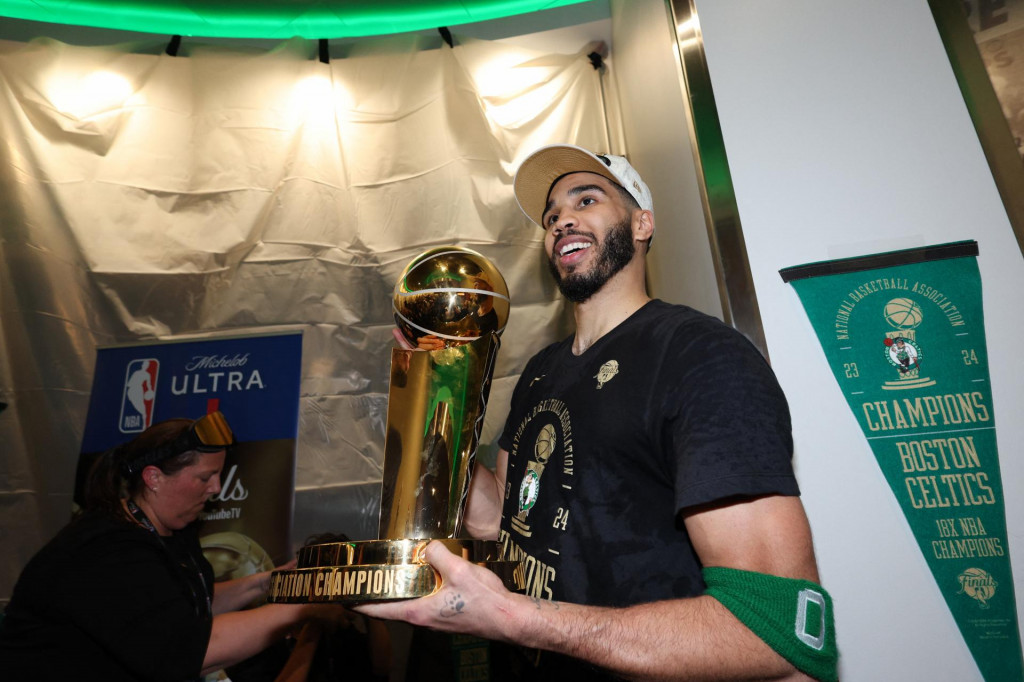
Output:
x=254 y=381
x=904 y=334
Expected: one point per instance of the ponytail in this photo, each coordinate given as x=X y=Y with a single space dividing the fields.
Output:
x=104 y=486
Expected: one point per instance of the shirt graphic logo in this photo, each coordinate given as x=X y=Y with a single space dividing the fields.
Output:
x=529 y=489
x=606 y=373
x=139 y=395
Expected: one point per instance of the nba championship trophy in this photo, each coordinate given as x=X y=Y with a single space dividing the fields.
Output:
x=451 y=304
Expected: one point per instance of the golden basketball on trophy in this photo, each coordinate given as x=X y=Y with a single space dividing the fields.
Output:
x=451 y=295
x=451 y=304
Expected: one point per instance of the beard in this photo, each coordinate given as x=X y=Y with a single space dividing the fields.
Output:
x=615 y=253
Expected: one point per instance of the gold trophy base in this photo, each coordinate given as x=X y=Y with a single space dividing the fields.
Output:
x=379 y=570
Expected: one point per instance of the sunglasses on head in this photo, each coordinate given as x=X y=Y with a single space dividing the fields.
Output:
x=206 y=434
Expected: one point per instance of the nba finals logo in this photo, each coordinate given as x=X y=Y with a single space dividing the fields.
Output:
x=139 y=396
x=977 y=584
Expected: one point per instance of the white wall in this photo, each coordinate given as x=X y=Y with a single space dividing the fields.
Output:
x=646 y=69
x=847 y=135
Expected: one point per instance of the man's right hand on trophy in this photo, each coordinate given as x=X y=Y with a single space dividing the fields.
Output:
x=470 y=600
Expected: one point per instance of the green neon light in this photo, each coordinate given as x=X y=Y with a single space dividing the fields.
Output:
x=273 y=19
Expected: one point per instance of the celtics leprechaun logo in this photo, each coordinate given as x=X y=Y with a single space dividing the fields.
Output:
x=902 y=349
x=903 y=355
x=529 y=489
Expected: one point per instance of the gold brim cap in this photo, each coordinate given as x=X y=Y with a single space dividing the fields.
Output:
x=541 y=169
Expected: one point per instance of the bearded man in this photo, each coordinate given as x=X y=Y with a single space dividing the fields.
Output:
x=644 y=477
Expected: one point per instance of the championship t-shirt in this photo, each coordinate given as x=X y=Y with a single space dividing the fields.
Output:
x=669 y=411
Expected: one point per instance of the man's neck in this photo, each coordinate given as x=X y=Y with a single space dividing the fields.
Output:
x=606 y=310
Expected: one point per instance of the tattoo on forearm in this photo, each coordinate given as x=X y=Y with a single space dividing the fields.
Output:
x=453 y=605
x=540 y=603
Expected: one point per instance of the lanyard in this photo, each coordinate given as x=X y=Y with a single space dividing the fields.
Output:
x=143 y=520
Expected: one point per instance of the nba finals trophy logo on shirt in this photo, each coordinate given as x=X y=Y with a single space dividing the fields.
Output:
x=902 y=351
x=139 y=395
x=529 y=489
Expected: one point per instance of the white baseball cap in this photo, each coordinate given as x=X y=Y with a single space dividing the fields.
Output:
x=541 y=169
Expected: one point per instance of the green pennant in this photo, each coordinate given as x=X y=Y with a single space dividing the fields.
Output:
x=904 y=333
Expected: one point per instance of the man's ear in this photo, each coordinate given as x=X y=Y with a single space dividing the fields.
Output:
x=643 y=226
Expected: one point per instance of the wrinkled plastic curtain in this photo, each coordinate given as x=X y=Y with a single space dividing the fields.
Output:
x=151 y=197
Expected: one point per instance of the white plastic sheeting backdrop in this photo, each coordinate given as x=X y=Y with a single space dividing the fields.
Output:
x=144 y=196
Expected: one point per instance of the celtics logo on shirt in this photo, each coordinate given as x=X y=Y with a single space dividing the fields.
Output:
x=529 y=488
x=528 y=491
x=538 y=490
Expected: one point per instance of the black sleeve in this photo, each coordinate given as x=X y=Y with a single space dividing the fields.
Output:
x=726 y=426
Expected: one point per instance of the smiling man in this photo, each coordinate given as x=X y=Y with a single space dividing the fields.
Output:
x=645 y=476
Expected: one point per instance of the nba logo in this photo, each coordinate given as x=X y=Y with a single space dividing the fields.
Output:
x=139 y=395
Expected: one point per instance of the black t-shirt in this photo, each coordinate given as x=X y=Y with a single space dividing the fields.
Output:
x=107 y=599
x=670 y=410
